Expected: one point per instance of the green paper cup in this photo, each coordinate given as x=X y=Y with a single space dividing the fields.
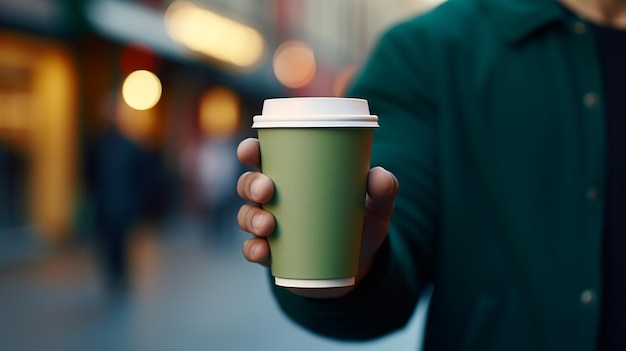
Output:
x=317 y=152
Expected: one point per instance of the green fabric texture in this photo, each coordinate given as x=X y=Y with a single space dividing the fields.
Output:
x=491 y=118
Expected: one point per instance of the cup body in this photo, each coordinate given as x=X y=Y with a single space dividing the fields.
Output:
x=320 y=174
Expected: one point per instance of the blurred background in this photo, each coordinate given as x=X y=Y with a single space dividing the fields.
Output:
x=119 y=121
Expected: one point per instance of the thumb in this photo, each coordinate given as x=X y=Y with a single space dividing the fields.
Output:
x=382 y=187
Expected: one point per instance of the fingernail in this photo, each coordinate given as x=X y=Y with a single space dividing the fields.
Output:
x=392 y=191
x=256 y=222
x=255 y=186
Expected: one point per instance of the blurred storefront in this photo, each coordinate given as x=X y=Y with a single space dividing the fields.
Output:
x=38 y=119
x=62 y=74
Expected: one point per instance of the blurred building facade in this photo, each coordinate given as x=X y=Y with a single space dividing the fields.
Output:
x=38 y=118
x=62 y=60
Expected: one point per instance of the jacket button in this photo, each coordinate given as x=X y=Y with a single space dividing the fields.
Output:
x=579 y=27
x=592 y=194
x=587 y=297
x=590 y=100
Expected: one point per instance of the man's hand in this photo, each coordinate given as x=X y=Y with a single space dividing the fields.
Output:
x=257 y=188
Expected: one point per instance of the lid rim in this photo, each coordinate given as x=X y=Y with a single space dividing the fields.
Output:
x=314 y=116
x=315 y=121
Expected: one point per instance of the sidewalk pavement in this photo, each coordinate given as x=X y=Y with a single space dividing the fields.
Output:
x=188 y=293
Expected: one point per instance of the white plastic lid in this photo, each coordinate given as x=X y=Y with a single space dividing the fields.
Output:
x=312 y=112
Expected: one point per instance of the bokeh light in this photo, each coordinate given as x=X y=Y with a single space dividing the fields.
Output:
x=213 y=35
x=219 y=112
x=294 y=64
x=138 y=125
x=141 y=90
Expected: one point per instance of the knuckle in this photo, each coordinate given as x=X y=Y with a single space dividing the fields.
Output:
x=243 y=184
x=255 y=220
x=255 y=187
x=244 y=218
x=240 y=217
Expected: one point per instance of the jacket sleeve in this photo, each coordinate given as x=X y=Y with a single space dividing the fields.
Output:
x=397 y=84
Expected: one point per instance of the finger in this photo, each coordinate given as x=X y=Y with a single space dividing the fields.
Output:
x=257 y=250
x=255 y=187
x=255 y=220
x=382 y=187
x=249 y=153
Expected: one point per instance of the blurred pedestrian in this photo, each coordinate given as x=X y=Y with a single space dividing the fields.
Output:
x=126 y=182
x=218 y=168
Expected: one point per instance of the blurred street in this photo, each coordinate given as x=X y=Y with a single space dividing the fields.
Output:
x=188 y=292
x=119 y=123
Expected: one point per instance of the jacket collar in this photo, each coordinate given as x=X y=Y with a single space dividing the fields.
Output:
x=516 y=20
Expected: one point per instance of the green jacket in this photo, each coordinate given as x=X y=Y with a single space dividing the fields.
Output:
x=491 y=117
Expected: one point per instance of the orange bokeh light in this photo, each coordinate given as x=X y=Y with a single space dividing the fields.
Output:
x=219 y=112
x=294 y=64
